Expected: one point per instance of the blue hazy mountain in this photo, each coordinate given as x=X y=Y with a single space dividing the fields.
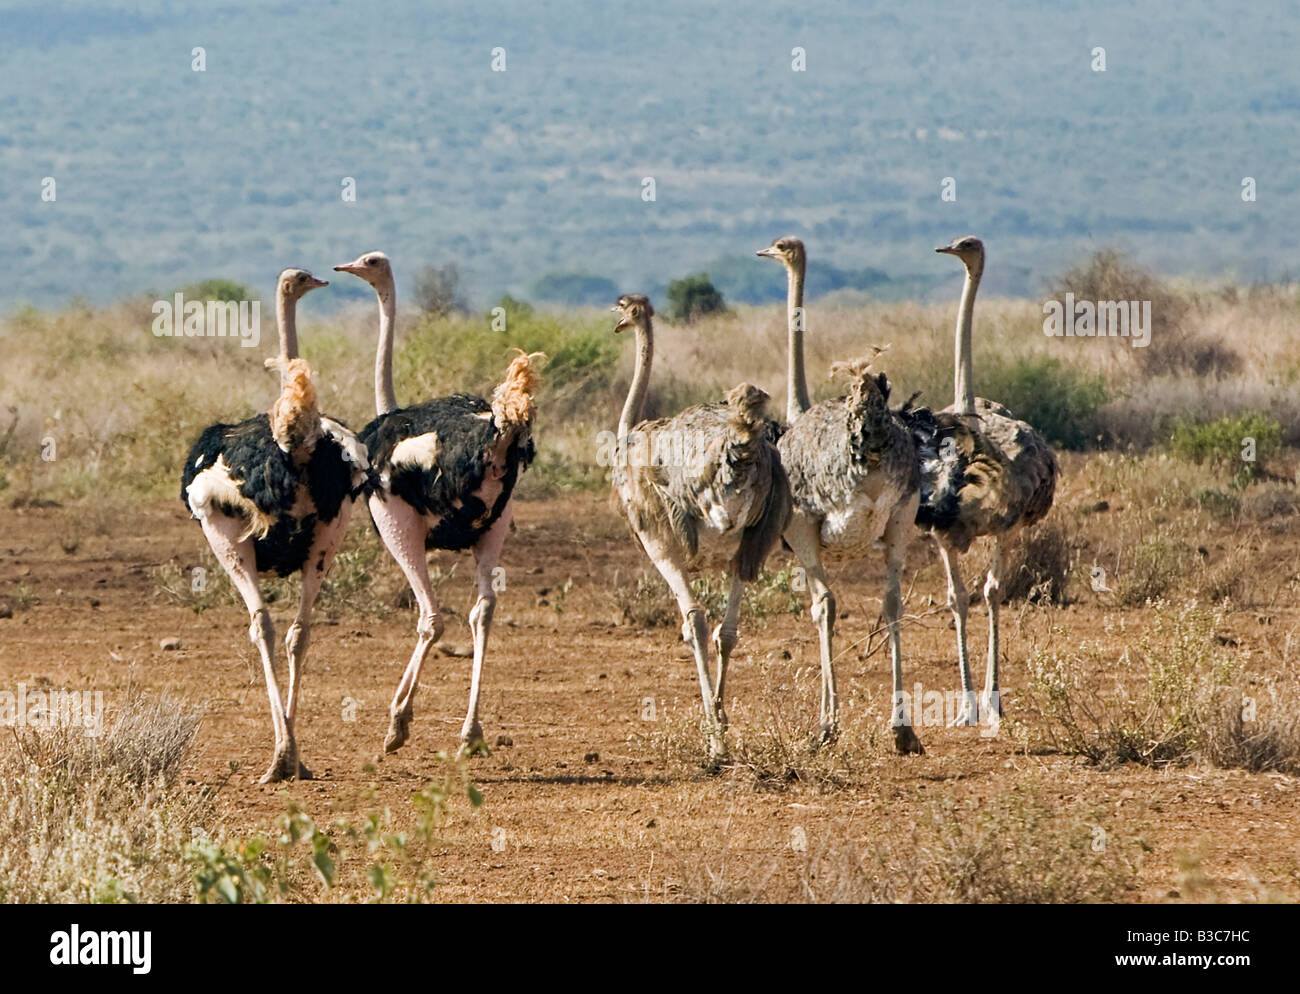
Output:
x=165 y=176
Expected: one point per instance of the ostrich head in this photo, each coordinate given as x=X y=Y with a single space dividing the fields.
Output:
x=970 y=250
x=373 y=267
x=786 y=250
x=634 y=310
x=295 y=282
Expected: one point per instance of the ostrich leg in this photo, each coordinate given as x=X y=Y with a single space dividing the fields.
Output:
x=239 y=560
x=487 y=554
x=403 y=529
x=324 y=546
x=896 y=536
x=725 y=637
x=991 y=705
x=803 y=537
x=695 y=631
x=959 y=602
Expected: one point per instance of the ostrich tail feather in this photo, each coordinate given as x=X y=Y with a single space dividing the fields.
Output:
x=295 y=417
x=512 y=401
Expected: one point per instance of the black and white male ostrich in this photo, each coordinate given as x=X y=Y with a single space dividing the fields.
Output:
x=719 y=497
x=444 y=472
x=856 y=484
x=273 y=495
x=983 y=473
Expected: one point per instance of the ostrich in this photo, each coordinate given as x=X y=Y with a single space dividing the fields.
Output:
x=855 y=482
x=273 y=495
x=983 y=473
x=723 y=498
x=444 y=474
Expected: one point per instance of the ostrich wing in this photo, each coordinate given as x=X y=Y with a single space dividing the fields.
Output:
x=436 y=456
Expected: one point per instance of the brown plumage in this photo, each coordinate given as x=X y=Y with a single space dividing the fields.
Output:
x=855 y=481
x=983 y=473
x=703 y=488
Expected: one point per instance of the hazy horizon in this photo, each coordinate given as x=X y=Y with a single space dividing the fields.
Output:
x=166 y=176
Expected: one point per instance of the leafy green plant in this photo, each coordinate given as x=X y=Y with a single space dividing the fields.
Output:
x=692 y=297
x=1060 y=400
x=1239 y=444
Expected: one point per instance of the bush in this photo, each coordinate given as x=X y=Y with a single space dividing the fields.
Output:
x=1152 y=569
x=1223 y=444
x=219 y=289
x=692 y=297
x=1038 y=568
x=1110 y=275
x=1061 y=401
x=438 y=290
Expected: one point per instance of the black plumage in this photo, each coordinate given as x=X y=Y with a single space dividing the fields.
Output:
x=446 y=490
x=267 y=476
x=943 y=469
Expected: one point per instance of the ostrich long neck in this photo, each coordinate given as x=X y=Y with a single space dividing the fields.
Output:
x=963 y=388
x=796 y=383
x=385 y=399
x=286 y=310
x=645 y=349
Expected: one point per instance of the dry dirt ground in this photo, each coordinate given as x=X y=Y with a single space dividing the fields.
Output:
x=584 y=797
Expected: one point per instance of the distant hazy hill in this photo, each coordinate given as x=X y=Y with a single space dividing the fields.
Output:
x=166 y=176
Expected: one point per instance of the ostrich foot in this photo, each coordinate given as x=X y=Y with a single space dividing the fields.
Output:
x=717 y=755
x=968 y=714
x=828 y=734
x=906 y=742
x=991 y=705
x=286 y=766
x=399 y=729
x=471 y=741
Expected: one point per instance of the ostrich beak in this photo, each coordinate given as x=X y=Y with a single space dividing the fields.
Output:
x=769 y=252
x=623 y=322
x=349 y=267
x=316 y=284
x=946 y=250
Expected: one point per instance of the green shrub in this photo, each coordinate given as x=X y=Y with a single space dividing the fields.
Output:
x=1061 y=401
x=1226 y=443
x=692 y=297
x=219 y=289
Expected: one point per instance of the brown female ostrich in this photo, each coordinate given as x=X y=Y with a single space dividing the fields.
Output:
x=443 y=474
x=274 y=494
x=983 y=473
x=720 y=497
x=854 y=477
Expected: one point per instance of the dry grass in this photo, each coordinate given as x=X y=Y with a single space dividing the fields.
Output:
x=99 y=819
x=122 y=405
x=1015 y=850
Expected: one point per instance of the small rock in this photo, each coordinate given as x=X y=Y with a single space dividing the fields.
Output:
x=6 y=609
x=504 y=741
x=170 y=644
x=592 y=757
x=651 y=823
